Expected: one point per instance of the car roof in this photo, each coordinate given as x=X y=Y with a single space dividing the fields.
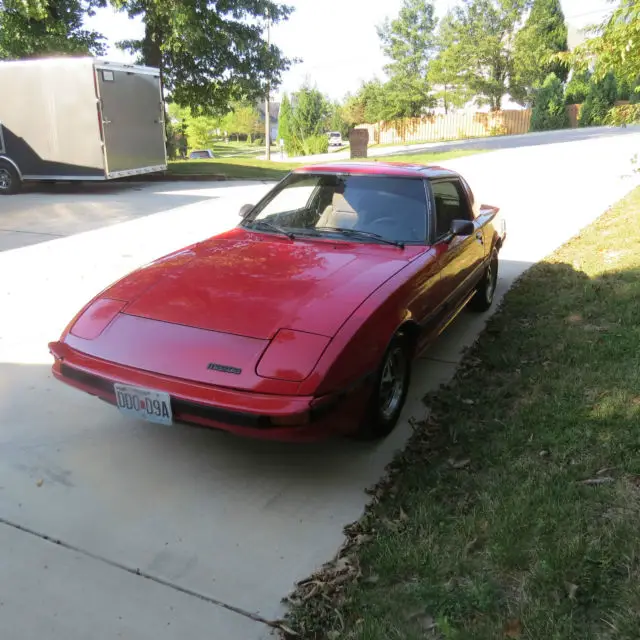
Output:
x=372 y=168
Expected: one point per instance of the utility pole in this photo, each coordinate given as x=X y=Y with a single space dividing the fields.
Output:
x=267 y=111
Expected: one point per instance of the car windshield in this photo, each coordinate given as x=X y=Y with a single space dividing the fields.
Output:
x=359 y=206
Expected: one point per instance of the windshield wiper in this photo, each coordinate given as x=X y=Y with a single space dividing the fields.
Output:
x=363 y=234
x=273 y=227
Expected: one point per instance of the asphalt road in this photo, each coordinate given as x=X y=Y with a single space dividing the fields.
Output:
x=111 y=528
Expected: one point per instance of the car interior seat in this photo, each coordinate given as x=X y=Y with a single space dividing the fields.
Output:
x=339 y=214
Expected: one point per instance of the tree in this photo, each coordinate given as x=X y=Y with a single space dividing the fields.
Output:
x=445 y=71
x=599 y=101
x=210 y=52
x=243 y=119
x=549 y=111
x=614 y=46
x=543 y=35
x=310 y=114
x=336 y=121
x=409 y=42
x=32 y=28
x=577 y=88
x=479 y=46
x=284 y=119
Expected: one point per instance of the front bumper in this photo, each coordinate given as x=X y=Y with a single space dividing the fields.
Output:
x=274 y=417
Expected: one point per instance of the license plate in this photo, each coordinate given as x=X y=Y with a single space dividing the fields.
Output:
x=153 y=406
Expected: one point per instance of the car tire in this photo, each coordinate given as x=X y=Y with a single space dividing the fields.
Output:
x=9 y=179
x=486 y=290
x=389 y=392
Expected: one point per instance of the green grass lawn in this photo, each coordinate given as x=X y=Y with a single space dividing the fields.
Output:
x=429 y=158
x=514 y=512
x=253 y=169
x=238 y=168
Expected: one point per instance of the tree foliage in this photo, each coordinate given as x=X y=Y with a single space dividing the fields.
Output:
x=243 y=119
x=304 y=121
x=37 y=28
x=445 y=72
x=600 y=100
x=577 y=88
x=614 y=45
x=284 y=118
x=410 y=44
x=478 y=45
x=211 y=53
x=549 y=110
x=409 y=40
x=336 y=120
x=543 y=35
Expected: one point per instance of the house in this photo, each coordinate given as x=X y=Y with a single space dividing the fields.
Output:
x=274 y=113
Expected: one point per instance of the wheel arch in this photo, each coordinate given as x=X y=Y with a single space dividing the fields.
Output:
x=13 y=163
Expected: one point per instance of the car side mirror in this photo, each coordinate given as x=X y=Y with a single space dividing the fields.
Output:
x=245 y=209
x=462 y=227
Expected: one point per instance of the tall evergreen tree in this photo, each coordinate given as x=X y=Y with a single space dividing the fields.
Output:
x=284 y=119
x=549 y=111
x=543 y=35
x=599 y=101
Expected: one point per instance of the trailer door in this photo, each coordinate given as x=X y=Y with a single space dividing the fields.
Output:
x=133 y=120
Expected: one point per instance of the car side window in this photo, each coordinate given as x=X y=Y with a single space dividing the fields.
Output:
x=451 y=204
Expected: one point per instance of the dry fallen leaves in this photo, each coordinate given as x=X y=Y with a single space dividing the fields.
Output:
x=513 y=628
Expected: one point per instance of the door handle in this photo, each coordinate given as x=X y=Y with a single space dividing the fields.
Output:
x=480 y=237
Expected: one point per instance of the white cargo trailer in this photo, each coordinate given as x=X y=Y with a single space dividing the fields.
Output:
x=79 y=119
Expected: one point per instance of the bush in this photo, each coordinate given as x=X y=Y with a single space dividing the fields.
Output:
x=549 y=111
x=317 y=144
x=601 y=99
x=577 y=88
x=623 y=115
x=307 y=146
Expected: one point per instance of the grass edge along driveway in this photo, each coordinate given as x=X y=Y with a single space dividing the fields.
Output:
x=254 y=169
x=514 y=511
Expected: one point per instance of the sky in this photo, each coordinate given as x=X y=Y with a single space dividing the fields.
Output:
x=338 y=44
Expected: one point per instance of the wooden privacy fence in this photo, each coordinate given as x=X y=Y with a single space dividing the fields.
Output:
x=457 y=126
x=452 y=126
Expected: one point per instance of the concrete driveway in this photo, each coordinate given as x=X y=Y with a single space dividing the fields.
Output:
x=110 y=528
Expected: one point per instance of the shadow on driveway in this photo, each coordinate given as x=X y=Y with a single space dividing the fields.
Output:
x=45 y=212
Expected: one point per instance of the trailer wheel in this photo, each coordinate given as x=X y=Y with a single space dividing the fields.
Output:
x=10 y=182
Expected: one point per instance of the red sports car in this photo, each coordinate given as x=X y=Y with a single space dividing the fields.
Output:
x=303 y=320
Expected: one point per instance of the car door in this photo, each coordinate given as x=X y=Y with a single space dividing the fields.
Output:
x=459 y=258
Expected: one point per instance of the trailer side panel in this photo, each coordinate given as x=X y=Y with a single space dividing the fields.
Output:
x=49 y=116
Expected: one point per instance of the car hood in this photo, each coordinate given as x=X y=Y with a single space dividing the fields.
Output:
x=254 y=284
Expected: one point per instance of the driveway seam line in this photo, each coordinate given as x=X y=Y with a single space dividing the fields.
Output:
x=142 y=574
x=33 y=233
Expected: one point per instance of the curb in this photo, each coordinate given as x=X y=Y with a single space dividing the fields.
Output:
x=179 y=177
